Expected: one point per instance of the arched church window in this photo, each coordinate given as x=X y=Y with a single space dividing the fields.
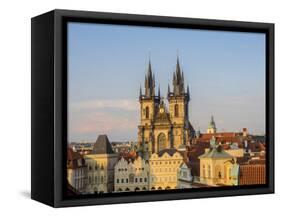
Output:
x=176 y=110
x=161 y=141
x=147 y=112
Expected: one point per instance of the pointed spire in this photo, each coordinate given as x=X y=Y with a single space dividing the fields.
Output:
x=149 y=81
x=178 y=70
x=159 y=95
x=212 y=119
x=140 y=91
x=168 y=93
x=187 y=93
x=149 y=71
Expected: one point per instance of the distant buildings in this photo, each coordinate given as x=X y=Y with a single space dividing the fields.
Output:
x=82 y=148
x=100 y=164
x=212 y=126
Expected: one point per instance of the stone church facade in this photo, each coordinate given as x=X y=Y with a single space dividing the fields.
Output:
x=163 y=127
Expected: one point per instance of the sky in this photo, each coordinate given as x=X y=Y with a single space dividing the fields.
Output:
x=107 y=63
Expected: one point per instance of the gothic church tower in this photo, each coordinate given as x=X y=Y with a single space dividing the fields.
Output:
x=161 y=127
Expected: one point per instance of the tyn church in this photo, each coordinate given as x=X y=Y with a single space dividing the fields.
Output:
x=161 y=127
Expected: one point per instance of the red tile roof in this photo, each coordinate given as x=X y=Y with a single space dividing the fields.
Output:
x=73 y=158
x=252 y=174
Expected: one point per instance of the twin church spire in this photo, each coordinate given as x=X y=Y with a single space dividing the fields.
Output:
x=178 y=84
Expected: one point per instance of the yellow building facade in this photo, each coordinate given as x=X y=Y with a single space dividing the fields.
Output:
x=164 y=169
x=217 y=167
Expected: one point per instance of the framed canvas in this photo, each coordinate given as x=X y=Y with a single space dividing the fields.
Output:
x=133 y=108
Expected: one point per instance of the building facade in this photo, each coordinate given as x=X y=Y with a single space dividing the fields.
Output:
x=131 y=175
x=163 y=127
x=100 y=164
x=76 y=170
x=185 y=179
x=217 y=167
x=164 y=169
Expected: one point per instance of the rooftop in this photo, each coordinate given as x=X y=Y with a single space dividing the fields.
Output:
x=102 y=146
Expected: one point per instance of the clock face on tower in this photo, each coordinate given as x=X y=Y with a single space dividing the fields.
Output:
x=161 y=110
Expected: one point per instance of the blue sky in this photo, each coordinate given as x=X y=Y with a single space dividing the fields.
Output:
x=107 y=64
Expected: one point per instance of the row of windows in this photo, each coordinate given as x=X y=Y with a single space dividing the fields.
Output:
x=166 y=162
x=125 y=169
x=96 y=167
x=131 y=180
x=144 y=189
x=156 y=170
x=97 y=179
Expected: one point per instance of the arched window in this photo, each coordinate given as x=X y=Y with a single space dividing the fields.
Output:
x=131 y=178
x=209 y=171
x=204 y=171
x=161 y=141
x=176 y=110
x=146 y=112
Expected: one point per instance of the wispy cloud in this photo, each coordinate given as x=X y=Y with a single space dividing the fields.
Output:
x=123 y=104
x=101 y=122
x=94 y=117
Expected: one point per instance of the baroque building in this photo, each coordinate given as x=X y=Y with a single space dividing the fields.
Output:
x=131 y=175
x=217 y=167
x=163 y=127
x=164 y=169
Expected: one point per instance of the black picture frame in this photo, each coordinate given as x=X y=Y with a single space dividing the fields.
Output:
x=49 y=105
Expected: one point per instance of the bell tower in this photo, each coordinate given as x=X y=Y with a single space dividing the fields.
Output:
x=149 y=103
x=178 y=107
